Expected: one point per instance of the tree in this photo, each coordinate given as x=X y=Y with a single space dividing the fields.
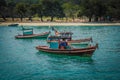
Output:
x=70 y=10
x=2 y=9
x=96 y=8
x=11 y=4
x=52 y=8
x=113 y=10
x=99 y=9
x=21 y=10
x=37 y=9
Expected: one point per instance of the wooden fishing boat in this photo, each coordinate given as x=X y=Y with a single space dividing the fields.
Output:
x=13 y=24
x=28 y=33
x=88 y=51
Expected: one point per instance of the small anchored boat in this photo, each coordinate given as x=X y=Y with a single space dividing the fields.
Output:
x=74 y=51
x=13 y=24
x=28 y=33
x=87 y=51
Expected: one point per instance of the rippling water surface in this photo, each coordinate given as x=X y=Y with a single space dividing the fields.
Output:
x=19 y=60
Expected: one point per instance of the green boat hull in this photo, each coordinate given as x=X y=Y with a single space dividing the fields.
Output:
x=44 y=35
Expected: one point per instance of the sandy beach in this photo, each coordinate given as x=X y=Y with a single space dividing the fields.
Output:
x=59 y=24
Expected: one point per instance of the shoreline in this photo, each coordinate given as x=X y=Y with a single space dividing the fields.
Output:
x=58 y=24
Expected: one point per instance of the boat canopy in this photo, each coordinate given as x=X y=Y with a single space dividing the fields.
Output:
x=59 y=37
x=27 y=31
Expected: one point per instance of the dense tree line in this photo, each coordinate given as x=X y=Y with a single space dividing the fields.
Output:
x=94 y=10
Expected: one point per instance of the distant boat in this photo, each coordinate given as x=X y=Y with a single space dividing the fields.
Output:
x=88 y=51
x=13 y=24
x=28 y=33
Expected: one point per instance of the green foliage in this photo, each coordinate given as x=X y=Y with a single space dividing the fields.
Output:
x=113 y=9
x=21 y=9
x=3 y=6
x=11 y=4
x=2 y=3
x=52 y=8
x=93 y=9
x=37 y=9
x=71 y=10
x=96 y=8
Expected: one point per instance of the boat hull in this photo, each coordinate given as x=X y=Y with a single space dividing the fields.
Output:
x=74 y=51
x=42 y=35
x=13 y=24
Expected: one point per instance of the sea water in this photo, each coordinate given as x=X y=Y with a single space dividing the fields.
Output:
x=19 y=60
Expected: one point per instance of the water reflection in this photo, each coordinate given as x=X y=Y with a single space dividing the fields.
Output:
x=65 y=58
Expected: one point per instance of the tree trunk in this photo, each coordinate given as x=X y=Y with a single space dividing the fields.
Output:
x=73 y=18
x=96 y=19
x=21 y=18
x=30 y=18
x=66 y=19
x=41 y=18
x=90 y=19
x=4 y=18
x=51 y=18
x=12 y=17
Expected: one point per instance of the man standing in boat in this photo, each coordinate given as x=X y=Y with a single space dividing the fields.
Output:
x=55 y=31
x=63 y=44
